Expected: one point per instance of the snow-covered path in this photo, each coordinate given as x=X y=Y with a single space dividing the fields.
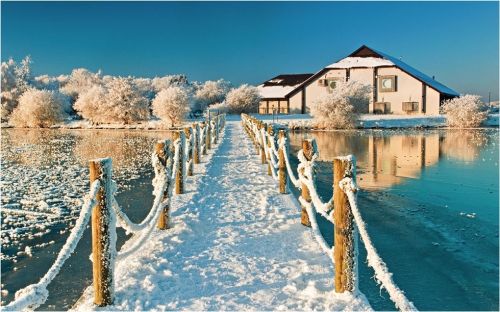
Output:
x=235 y=244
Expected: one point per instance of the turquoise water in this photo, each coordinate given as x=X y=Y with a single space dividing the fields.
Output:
x=431 y=202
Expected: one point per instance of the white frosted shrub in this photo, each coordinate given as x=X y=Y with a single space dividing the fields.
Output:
x=91 y=105
x=340 y=109
x=80 y=81
x=119 y=101
x=124 y=102
x=211 y=92
x=220 y=108
x=171 y=105
x=466 y=111
x=244 y=99
x=39 y=108
x=15 y=80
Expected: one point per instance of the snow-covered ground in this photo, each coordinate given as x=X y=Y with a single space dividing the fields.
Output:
x=370 y=121
x=235 y=244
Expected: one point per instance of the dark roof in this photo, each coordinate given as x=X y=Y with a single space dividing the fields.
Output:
x=287 y=80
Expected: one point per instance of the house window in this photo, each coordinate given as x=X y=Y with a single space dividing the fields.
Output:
x=387 y=83
x=332 y=83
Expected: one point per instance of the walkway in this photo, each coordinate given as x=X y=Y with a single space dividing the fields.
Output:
x=235 y=244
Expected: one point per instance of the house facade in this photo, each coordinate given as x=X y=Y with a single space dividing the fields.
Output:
x=275 y=94
x=397 y=88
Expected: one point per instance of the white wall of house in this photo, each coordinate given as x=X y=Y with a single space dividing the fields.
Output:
x=364 y=76
x=296 y=103
x=432 y=101
x=408 y=89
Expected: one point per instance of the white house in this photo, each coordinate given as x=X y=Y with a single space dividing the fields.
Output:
x=275 y=94
x=397 y=88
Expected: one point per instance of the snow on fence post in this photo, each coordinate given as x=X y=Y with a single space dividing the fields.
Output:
x=208 y=135
x=179 y=177
x=203 y=137
x=308 y=151
x=269 y=150
x=161 y=151
x=344 y=235
x=103 y=231
x=262 y=141
x=196 y=144
x=214 y=130
x=189 y=137
x=281 y=164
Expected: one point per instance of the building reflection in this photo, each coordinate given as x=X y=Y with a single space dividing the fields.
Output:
x=387 y=158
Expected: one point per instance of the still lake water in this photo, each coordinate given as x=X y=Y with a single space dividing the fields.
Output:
x=429 y=198
x=430 y=201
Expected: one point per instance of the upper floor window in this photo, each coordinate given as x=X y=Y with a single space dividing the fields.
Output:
x=387 y=83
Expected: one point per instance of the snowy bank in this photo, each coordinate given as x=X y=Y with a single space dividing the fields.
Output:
x=371 y=121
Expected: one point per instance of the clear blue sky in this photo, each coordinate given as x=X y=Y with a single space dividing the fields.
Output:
x=458 y=42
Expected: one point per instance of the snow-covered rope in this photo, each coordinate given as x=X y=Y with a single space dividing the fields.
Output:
x=306 y=176
x=123 y=220
x=315 y=229
x=34 y=295
x=382 y=274
x=274 y=149
x=161 y=183
x=295 y=181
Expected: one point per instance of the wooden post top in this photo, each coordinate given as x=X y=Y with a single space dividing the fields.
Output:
x=309 y=148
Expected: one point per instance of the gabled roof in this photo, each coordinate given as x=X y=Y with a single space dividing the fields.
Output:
x=368 y=57
x=280 y=86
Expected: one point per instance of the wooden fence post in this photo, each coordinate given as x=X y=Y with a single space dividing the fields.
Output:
x=204 y=150
x=208 y=139
x=308 y=150
x=188 y=132
x=282 y=177
x=262 y=148
x=161 y=150
x=344 y=240
x=214 y=134
x=269 y=150
x=102 y=262
x=179 y=177
x=196 y=147
x=216 y=129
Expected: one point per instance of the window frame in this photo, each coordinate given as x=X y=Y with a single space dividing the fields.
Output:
x=393 y=88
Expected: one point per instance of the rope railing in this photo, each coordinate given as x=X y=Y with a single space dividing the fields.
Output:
x=170 y=162
x=341 y=210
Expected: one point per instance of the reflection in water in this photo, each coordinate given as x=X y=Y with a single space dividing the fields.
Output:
x=463 y=145
x=386 y=158
x=430 y=200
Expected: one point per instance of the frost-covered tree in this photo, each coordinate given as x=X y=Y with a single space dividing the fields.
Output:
x=47 y=82
x=465 y=111
x=220 y=108
x=79 y=81
x=171 y=105
x=145 y=87
x=91 y=105
x=16 y=79
x=244 y=99
x=210 y=92
x=339 y=109
x=161 y=83
x=40 y=108
x=118 y=101
x=124 y=101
